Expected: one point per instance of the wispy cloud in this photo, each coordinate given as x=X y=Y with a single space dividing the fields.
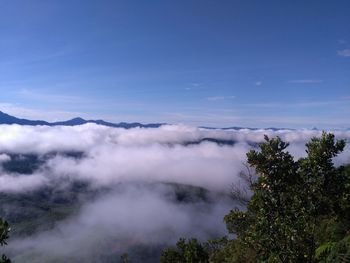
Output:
x=36 y=95
x=258 y=83
x=306 y=81
x=215 y=98
x=298 y=104
x=301 y=122
x=57 y=114
x=194 y=86
x=31 y=113
x=344 y=53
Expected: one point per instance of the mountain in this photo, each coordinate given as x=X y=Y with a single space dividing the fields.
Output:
x=8 y=119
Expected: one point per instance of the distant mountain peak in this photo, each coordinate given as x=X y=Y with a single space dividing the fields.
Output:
x=77 y=119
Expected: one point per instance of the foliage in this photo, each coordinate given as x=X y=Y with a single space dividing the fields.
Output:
x=125 y=258
x=290 y=199
x=185 y=252
x=225 y=250
x=337 y=252
x=299 y=210
x=4 y=235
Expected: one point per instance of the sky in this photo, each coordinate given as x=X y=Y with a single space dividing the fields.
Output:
x=202 y=63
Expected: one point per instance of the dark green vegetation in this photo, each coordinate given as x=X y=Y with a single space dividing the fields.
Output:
x=299 y=211
x=40 y=210
x=29 y=163
x=4 y=235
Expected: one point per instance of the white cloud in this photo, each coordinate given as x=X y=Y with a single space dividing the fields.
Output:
x=133 y=171
x=133 y=215
x=215 y=98
x=119 y=155
x=258 y=83
x=344 y=53
x=17 y=184
x=4 y=157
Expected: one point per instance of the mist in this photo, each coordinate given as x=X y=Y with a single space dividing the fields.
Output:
x=137 y=187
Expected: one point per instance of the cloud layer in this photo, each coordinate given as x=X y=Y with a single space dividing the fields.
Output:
x=134 y=172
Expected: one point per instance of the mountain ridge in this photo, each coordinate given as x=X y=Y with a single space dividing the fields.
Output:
x=8 y=119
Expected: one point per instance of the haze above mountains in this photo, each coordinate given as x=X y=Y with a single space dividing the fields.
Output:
x=9 y=119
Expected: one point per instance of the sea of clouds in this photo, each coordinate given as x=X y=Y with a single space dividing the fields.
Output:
x=139 y=165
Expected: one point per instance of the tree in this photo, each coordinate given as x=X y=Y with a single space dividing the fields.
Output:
x=125 y=258
x=299 y=210
x=4 y=235
x=291 y=198
x=185 y=252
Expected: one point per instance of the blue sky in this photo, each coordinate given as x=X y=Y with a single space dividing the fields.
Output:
x=214 y=63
